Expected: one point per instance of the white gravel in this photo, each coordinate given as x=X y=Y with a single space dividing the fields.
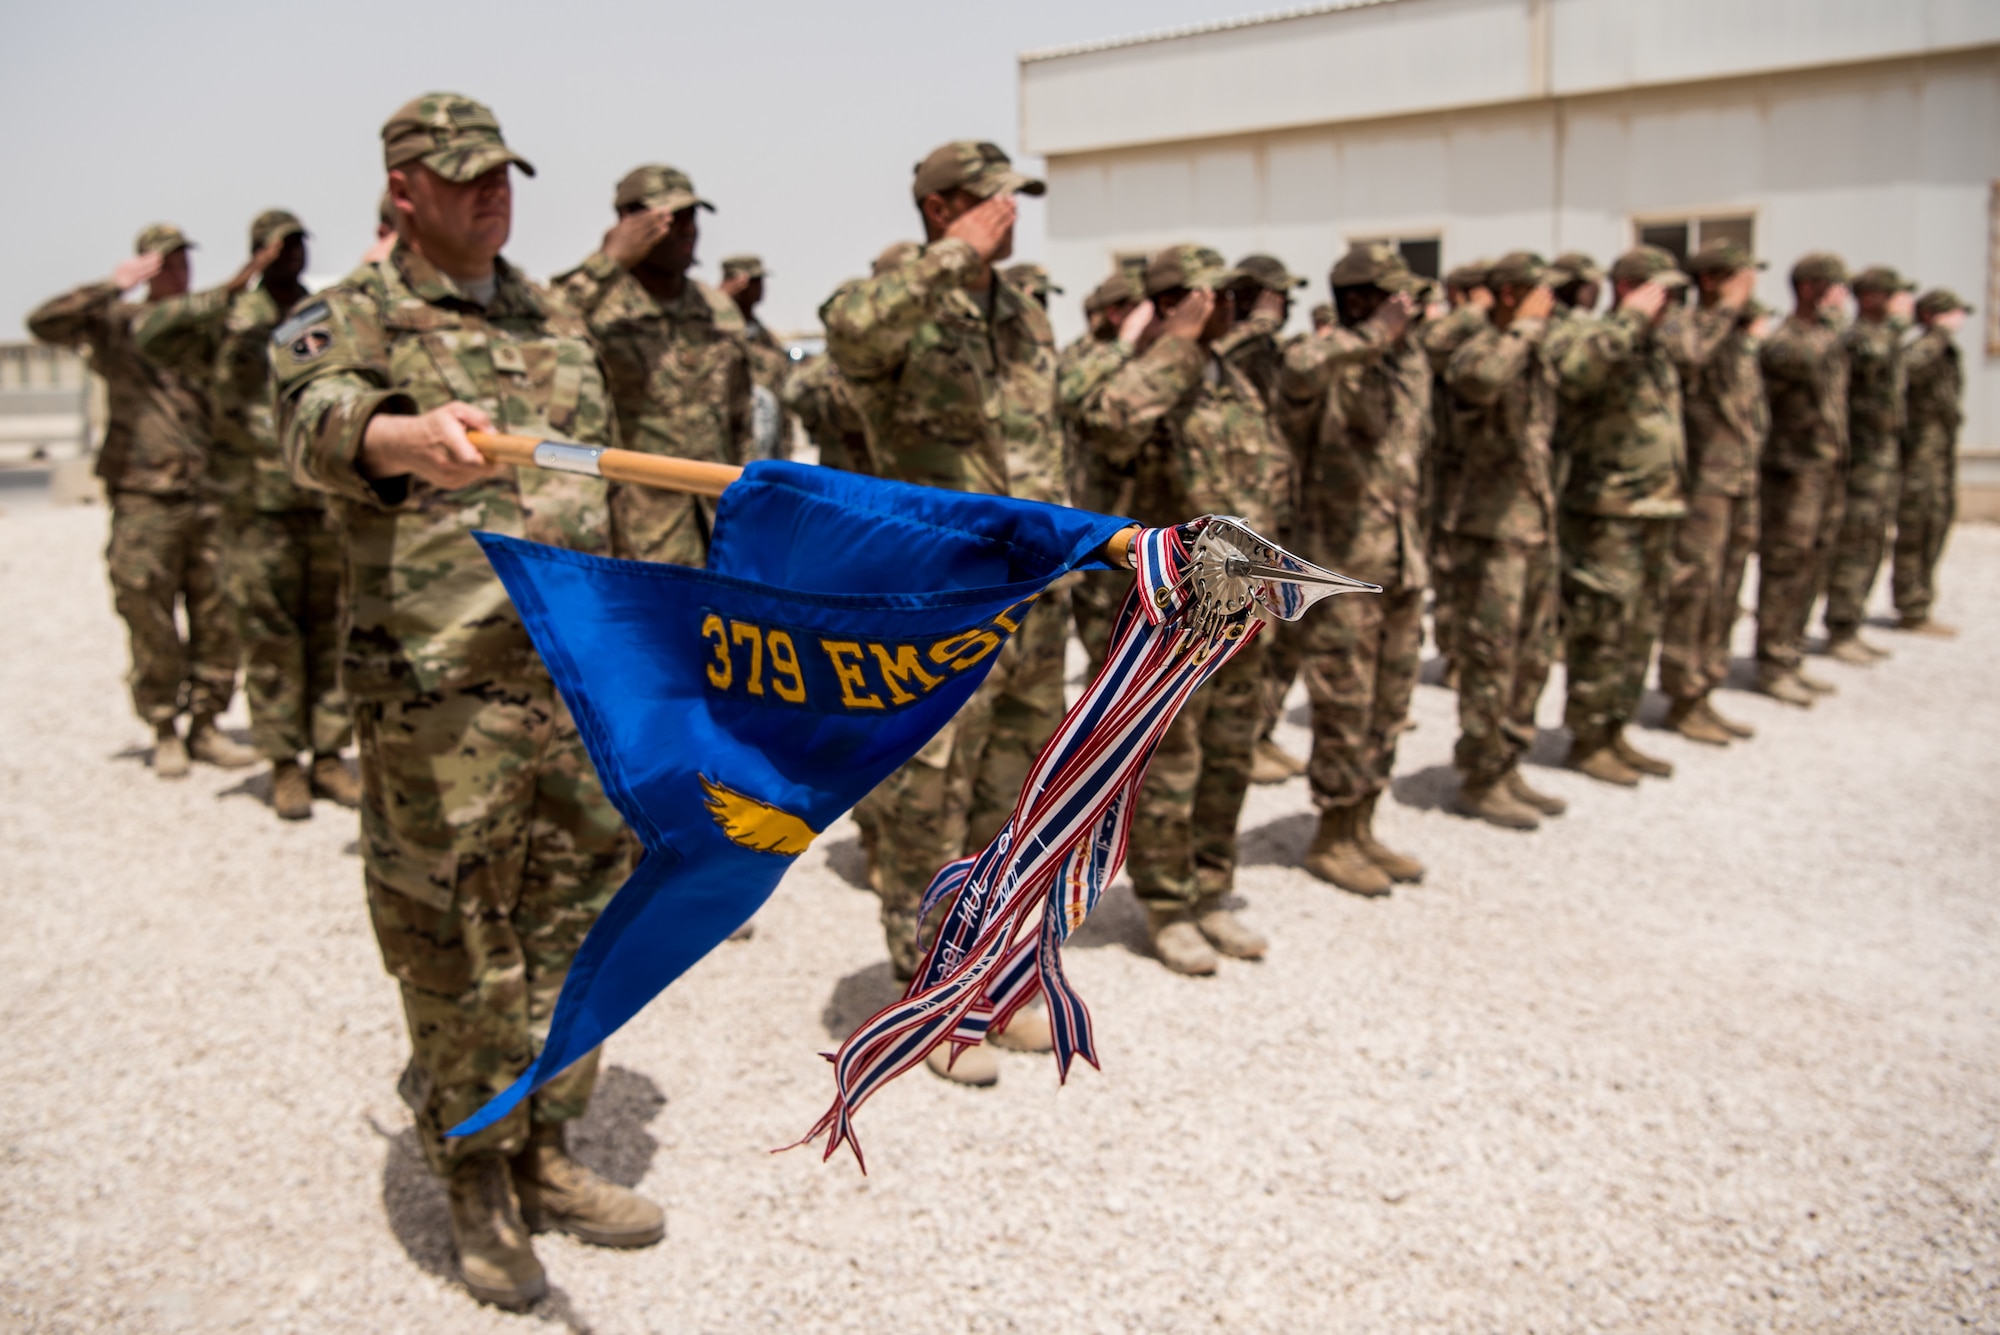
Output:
x=1720 y=1054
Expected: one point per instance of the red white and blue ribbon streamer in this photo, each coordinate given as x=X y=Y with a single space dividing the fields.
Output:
x=1012 y=905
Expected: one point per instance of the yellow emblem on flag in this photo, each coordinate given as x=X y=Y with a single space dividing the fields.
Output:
x=755 y=824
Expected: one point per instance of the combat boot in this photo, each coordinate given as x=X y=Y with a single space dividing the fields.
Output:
x=1639 y=760
x=1178 y=941
x=1783 y=684
x=291 y=795
x=1229 y=934
x=1271 y=763
x=1742 y=731
x=1400 y=866
x=1546 y=803
x=1687 y=719
x=557 y=1192
x=211 y=745
x=1028 y=1031
x=976 y=1066
x=1496 y=804
x=170 y=756
x=1850 y=650
x=1873 y=650
x=1812 y=683
x=1601 y=762
x=495 y=1257
x=1336 y=855
x=1923 y=625
x=332 y=780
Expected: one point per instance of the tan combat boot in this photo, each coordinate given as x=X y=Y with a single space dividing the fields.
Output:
x=495 y=1257
x=1028 y=1031
x=1400 y=866
x=1686 y=718
x=1496 y=804
x=1850 y=650
x=211 y=745
x=976 y=1066
x=1601 y=762
x=1179 y=942
x=559 y=1193
x=291 y=795
x=1229 y=934
x=1814 y=684
x=1271 y=763
x=1639 y=760
x=1923 y=625
x=170 y=756
x=1546 y=803
x=1336 y=855
x=332 y=780
x=1741 y=731
x=1783 y=684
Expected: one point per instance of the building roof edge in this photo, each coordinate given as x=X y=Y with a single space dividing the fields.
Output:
x=1195 y=30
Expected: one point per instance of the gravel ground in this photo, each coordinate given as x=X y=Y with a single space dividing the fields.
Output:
x=1720 y=1054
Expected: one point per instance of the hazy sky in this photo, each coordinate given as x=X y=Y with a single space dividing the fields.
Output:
x=801 y=121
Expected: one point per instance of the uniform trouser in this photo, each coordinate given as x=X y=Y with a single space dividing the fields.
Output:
x=1284 y=654
x=1799 y=521
x=168 y=549
x=284 y=572
x=648 y=524
x=1503 y=597
x=1095 y=601
x=1363 y=652
x=1712 y=544
x=1857 y=555
x=489 y=851
x=1924 y=513
x=953 y=796
x=1614 y=590
x=1445 y=609
x=1183 y=842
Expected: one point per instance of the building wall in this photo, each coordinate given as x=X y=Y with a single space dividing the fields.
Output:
x=1890 y=162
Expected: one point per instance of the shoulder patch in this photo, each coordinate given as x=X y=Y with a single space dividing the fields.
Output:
x=295 y=324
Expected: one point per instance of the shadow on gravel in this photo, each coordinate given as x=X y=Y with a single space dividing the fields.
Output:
x=846 y=860
x=1429 y=789
x=858 y=996
x=612 y=1138
x=1118 y=920
x=257 y=785
x=1279 y=843
x=1550 y=750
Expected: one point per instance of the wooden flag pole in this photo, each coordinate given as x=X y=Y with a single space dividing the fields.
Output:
x=664 y=472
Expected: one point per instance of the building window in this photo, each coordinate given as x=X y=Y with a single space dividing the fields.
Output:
x=1424 y=254
x=1682 y=237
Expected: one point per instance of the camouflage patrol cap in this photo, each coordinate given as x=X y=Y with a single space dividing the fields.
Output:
x=161 y=239
x=1574 y=266
x=453 y=135
x=657 y=187
x=973 y=166
x=743 y=266
x=894 y=256
x=274 y=223
x=1375 y=263
x=1940 y=301
x=1032 y=279
x=1517 y=268
x=1269 y=272
x=1322 y=314
x=1821 y=266
x=1190 y=267
x=1724 y=255
x=1648 y=264
x=1113 y=291
x=1881 y=278
x=1468 y=275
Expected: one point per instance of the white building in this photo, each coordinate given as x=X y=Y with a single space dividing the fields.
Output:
x=1466 y=128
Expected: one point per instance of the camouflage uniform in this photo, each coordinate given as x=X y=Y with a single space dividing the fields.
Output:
x=818 y=396
x=957 y=389
x=488 y=845
x=770 y=370
x=1198 y=441
x=1935 y=371
x=166 y=518
x=1805 y=379
x=1440 y=340
x=1726 y=421
x=283 y=566
x=1359 y=416
x=1621 y=393
x=1096 y=483
x=680 y=375
x=1874 y=444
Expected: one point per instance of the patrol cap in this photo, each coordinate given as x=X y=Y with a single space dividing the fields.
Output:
x=1190 y=267
x=1881 y=278
x=272 y=224
x=1322 y=314
x=1647 y=264
x=1113 y=291
x=1574 y=266
x=1821 y=266
x=451 y=134
x=743 y=266
x=1468 y=275
x=1517 y=268
x=894 y=256
x=1031 y=278
x=1723 y=255
x=654 y=186
x=1372 y=263
x=161 y=239
x=1269 y=272
x=974 y=166
x=1940 y=301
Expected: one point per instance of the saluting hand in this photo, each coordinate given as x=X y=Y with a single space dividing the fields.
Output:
x=1134 y=326
x=139 y=269
x=986 y=225
x=1392 y=318
x=1537 y=304
x=432 y=446
x=266 y=255
x=1188 y=319
x=1903 y=305
x=1736 y=292
x=1648 y=299
x=633 y=236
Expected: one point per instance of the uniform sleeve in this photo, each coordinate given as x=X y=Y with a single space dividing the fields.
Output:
x=1585 y=351
x=1489 y=361
x=185 y=334
x=585 y=287
x=82 y=318
x=869 y=322
x=1693 y=337
x=1786 y=356
x=1127 y=405
x=332 y=368
x=1441 y=339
